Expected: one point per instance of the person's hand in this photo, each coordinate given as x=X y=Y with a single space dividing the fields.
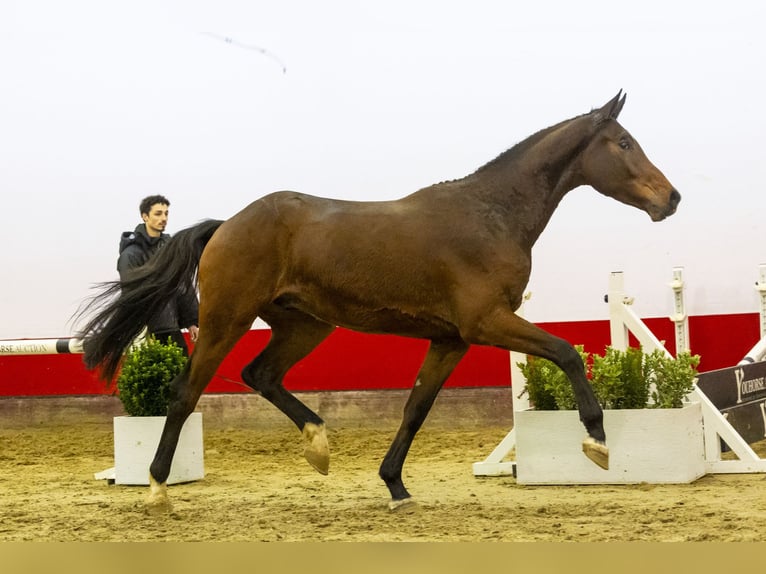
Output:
x=194 y=333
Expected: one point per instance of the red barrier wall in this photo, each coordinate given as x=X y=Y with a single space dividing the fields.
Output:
x=354 y=361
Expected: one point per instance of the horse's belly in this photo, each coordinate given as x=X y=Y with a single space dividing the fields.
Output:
x=358 y=316
x=394 y=322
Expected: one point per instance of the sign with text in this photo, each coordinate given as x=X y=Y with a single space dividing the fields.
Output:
x=740 y=394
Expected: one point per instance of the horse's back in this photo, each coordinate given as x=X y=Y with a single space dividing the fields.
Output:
x=300 y=216
x=292 y=229
x=415 y=235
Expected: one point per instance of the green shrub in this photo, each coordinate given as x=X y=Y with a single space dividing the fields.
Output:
x=620 y=380
x=550 y=389
x=145 y=375
x=673 y=380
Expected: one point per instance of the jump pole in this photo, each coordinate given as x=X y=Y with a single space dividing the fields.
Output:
x=67 y=345
x=12 y=347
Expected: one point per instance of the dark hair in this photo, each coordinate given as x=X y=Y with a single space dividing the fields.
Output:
x=146 y=203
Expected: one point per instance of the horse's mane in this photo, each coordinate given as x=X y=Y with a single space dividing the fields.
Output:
x=516 y=151
x=523 y=146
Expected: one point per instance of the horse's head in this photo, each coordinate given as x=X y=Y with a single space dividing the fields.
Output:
x=614 y=164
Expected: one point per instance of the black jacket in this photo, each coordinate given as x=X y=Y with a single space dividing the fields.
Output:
x=136 y=247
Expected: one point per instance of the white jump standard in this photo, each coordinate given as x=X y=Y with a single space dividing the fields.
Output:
x=703 y=424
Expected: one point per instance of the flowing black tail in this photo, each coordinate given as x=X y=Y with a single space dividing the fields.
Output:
x=123 y=308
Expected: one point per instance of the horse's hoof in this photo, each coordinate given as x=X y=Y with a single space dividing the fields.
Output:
x=597 y=451
x=317 y=451
x=404 y=505
x=157 y=503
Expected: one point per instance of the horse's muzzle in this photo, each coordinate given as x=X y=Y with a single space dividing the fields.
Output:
x=673 y=201
x=670 y=209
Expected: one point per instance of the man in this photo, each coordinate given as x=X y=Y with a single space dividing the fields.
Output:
x=136 y=247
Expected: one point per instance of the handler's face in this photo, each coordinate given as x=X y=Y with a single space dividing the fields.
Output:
x=156 y=220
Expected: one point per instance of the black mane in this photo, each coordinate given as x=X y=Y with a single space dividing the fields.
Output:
x=523 y=146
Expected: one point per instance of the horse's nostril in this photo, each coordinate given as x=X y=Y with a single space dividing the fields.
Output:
x=675 y=198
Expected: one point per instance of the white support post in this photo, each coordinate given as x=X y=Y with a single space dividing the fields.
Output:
x=520 y=398
x=616 y=298
x=679 y=317
x=623 y=320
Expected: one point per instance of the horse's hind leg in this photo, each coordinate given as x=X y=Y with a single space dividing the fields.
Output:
x=441 y=359
x=293 y=336
x=185 y=391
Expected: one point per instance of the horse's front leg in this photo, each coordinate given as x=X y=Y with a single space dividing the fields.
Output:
x=507 y=330
x=441 y=359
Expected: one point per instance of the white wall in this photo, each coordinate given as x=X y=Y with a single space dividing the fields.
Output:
x=103 y=103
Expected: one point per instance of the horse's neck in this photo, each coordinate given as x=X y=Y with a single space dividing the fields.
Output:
x=529 y=183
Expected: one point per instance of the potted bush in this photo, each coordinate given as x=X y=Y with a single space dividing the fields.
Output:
x=143 y=384
x=653 y=433
x=143 y=387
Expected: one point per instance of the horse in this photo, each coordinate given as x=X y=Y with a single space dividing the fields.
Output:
x=447 y=263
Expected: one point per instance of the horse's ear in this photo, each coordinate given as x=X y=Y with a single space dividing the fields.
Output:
x=611 y=109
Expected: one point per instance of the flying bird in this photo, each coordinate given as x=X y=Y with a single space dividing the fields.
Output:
x=233 y=42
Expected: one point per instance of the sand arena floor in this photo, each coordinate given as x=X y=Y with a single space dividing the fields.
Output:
x=258 y=487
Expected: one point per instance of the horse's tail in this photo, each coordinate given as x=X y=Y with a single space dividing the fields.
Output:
x=124 y=308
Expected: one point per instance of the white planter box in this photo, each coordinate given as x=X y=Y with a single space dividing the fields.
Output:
x=135 y=443
x=645 y=445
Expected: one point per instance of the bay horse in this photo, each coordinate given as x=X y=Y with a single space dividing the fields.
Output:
x=447 y=263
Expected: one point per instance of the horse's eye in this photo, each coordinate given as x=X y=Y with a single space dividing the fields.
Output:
x=625 y=144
